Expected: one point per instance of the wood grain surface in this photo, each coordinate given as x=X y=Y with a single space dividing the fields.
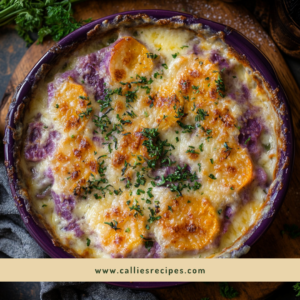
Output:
x=272 y=244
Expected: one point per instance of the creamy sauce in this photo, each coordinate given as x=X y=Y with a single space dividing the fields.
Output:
x=161 y=167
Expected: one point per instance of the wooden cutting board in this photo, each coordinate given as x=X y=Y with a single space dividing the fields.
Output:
x=272 y=244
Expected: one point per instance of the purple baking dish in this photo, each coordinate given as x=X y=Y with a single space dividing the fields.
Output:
x=239 y=43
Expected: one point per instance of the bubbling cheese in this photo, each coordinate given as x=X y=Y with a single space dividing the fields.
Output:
x=165 y=146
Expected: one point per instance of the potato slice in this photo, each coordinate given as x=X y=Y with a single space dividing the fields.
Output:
x=196 y=82
x=127 y=237
x=129 y=58
x=70 y=106
x=233 y=169
x=73 y=163
x=187 y=224
x=129 y=147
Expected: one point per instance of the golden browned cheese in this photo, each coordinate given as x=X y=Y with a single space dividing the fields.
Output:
x=150 y=159
x=68 y=104
x=129 y=57
x=189 y=223
x=73 y=162
x=121 y=228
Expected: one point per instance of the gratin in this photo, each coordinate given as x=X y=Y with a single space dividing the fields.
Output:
x=151 y=139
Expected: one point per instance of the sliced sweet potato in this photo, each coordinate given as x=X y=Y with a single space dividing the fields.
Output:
x=130 y=145
x=73 y=162
x=124 y=233
x=196 y=82
x=129 y=58
x=188 y=223
x=234 y=168
x=167 y=108
x=71 y=106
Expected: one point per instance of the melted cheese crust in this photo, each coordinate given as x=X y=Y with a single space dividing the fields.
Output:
x=154 y=166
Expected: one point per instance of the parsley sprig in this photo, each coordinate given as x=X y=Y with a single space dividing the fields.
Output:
x=113 y=224
x=157 y=149
x=180 y=180
x=49 y=18
x=228 y=291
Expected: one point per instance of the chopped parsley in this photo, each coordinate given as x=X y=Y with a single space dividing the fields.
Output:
x=152 y=216
x=220 y=86
x=219 y=211
x=184 y=46
x=187 y=128
x=211 y=161
x=192 y=150
x=267 y=146
x=165 y=66
x=135 y=206
x=148 y=243
x=170 y=208
x=152 y=101
x=201 y=147
x=140 y=179
x=56 y=105
x=179 y=112
x=297 y=288
x=199 y=167
x=149 y=193
x=139 y=192
x=146 y=87
x=179 y=180
x=113 y=224
x=99 y=183
x=157 y=149
x=151 y=55
x=86 y=113
x=212 y=176
x=227 y=148
x=88 y=242
x=157 y=74
x=175 y=54
x=195 y=88
x=248 y=140
x=201 y=114
x=130 y=96
x=106 y=102
x=127 y=230
x=228 y=291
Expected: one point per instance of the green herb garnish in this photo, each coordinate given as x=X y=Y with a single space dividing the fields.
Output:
x=227 y=291
x=113 y=224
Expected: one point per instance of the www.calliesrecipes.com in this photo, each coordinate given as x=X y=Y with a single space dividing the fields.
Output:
x=137 y=270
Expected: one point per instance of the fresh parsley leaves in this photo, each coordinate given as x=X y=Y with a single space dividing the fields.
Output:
x=49 y=18
x=293 y=231
x=228 y=291
x=201 y=114
x=113 y=224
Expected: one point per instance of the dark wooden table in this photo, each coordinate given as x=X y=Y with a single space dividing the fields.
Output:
x=12 y=49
